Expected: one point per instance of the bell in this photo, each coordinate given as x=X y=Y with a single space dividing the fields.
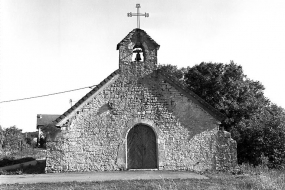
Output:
x=138 y=56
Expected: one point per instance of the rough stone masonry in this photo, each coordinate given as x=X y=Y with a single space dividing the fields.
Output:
x=172 y=128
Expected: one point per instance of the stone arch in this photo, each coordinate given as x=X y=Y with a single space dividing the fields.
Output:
x=122 y=149
x=141 y=148
x=136 y=121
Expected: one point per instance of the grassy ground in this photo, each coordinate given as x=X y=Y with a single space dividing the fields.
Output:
x=259 y=177
x=139 y=184
x=253 y=179
x=248 y=178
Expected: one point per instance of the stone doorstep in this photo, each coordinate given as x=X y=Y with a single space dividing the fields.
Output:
x=155 y=169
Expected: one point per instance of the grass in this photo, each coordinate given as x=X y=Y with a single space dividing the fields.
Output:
x=259 y=177
x=271 y=180
x=249 y=178
x=137 y=184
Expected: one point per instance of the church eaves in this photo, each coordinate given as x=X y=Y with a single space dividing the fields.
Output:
x=82 y=100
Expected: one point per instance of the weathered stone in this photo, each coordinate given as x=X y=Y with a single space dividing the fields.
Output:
x=186 y=130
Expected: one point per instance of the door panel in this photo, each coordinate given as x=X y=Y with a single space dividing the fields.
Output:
x=141 y=146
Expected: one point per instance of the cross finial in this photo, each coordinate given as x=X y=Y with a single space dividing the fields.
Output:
x=138 y=14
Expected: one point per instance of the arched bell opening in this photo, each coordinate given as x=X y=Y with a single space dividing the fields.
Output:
x=141 y=148
x=138 y=53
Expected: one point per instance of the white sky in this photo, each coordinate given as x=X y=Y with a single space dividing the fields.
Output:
x=49 y=46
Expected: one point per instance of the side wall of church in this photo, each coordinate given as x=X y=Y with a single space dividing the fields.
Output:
x=95 y=137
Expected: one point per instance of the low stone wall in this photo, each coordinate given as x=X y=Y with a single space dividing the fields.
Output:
x=226 y=157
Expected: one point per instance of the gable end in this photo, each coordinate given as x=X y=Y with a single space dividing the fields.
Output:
x=192 y=96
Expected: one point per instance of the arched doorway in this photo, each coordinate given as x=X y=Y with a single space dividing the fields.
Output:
x=141 y=148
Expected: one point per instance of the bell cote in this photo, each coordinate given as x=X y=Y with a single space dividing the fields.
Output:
x=137 y=53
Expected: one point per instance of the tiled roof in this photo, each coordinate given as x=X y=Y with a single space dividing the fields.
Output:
x=45 y=119
x=138 y=31
x=194 y=97
x=86 y=96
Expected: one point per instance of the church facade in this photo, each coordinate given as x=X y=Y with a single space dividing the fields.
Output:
x=140 y=118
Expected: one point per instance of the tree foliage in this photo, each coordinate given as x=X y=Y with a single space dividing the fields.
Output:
x=50 y=131
x=225 y=87
x=263 y=135
x=2 y=137
x=174 y=72
x=255 y=123
x=13 y=139
x=31 y=138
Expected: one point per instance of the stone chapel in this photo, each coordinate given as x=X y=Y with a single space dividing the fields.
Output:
x=140 y=118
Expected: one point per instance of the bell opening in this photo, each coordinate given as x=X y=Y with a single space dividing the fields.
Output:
x=138 y=55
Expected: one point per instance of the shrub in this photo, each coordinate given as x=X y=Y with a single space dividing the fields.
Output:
x=10 y=161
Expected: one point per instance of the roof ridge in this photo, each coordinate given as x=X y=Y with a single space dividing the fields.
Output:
x=130 y=34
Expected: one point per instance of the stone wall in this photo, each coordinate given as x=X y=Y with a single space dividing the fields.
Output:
x=94 y=139
x=94 y=133
x=133 y=70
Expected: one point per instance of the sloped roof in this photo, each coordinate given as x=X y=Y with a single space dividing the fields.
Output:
x=45 y=119
x=192 y=96
x=94 y=90
x=138 y=35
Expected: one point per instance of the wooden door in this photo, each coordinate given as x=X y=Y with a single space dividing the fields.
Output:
x=141 y=145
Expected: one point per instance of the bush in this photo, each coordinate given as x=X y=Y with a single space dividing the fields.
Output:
x=39 y=168
x=10 y=161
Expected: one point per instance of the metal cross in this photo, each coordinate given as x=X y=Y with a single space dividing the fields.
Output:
x=138 y=14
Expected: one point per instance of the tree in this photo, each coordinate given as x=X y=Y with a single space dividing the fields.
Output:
x=50 y=131
x=255 y=123
x=225 y=87
x=14 y=139
x=264 y=135
x=2 y=138
x=174 y=72
x=30 y=138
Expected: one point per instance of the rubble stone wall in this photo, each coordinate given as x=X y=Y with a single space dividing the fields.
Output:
x=95 y=137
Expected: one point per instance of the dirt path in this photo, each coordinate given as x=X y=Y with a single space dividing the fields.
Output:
x=97 y=176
